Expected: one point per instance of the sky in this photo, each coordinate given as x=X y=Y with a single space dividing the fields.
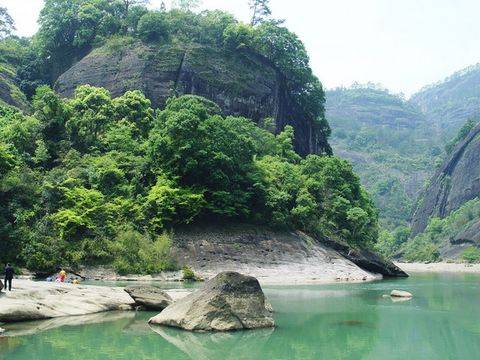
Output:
x=401 y=44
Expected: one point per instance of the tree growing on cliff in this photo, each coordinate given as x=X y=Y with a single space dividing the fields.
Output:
x=186 y=5
x=6 y=23
x=260 y=11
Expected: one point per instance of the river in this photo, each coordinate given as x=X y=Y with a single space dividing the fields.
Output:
x=341 y=321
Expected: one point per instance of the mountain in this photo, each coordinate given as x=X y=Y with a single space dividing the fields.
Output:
x=242 y=83
x=451 y=102
x=387 y=140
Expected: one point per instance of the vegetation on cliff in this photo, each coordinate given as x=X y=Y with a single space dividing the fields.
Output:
x=99 y=180
x=442 y=234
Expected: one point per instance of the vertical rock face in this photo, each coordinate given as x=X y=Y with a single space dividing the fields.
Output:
x=457 y=181
x=240 y=83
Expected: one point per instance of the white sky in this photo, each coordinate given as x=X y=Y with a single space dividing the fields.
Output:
x=401 y=44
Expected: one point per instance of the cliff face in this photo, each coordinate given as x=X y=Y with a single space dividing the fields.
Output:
x=242 y=84
x=457 y=181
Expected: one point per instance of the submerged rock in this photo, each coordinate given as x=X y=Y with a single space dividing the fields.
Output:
x=229 y=301
x=401 y=294
x=148 y=296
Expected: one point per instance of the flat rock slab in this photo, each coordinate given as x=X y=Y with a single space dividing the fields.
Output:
x=32 y=300
x=149 y=296
x=229 y=301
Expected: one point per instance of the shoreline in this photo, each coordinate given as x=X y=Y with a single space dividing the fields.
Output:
x=440 y=267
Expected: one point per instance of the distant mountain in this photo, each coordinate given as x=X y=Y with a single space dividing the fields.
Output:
x=451 y=102
x=389 y=142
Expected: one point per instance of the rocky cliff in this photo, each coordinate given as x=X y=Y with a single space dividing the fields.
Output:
x=456 y=181
x=242 y=83
x=274 y=256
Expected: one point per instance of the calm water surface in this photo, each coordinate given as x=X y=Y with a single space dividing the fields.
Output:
x=343 y=321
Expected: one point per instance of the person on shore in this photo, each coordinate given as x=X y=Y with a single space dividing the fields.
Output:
x=62 y=275
x=9 y=272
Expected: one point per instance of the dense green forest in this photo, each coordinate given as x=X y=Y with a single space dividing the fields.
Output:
x=101 y=180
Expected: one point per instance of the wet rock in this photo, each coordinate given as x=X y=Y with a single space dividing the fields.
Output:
x=401 y=294
x=229 y=301
x=149 y=297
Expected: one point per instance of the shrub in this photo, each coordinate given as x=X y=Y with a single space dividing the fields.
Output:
x=152 y=26
x=471 y=255
x=136 y=253
x=421 y=249
x=188 y=273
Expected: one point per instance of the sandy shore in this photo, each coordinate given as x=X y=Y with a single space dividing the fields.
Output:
x=440 y=267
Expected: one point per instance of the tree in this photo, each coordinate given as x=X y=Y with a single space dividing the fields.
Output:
x=186 y=5
x=260 y=11
x=152 y=26
x=6 y=23
x=127 y=4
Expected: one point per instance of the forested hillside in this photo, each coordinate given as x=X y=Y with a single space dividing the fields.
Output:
x=448 y=104
x=389 y=143
x=102 y=179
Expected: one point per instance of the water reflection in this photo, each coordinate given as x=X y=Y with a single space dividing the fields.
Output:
x=219 y=345
x=35 y=327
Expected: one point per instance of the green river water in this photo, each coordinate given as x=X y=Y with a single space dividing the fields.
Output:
x=341 y=321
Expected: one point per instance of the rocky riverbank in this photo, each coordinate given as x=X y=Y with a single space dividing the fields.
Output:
x=441 y=267
x=33 y=300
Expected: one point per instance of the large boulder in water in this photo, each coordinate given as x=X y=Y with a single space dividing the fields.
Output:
x=229 y=301
x=148 y=296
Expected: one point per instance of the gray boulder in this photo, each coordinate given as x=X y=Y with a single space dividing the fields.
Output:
x=148 y=296
x=229 y=301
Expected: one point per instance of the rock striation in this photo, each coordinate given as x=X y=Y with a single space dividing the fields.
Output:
x=229 y=301
x=241 y=83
